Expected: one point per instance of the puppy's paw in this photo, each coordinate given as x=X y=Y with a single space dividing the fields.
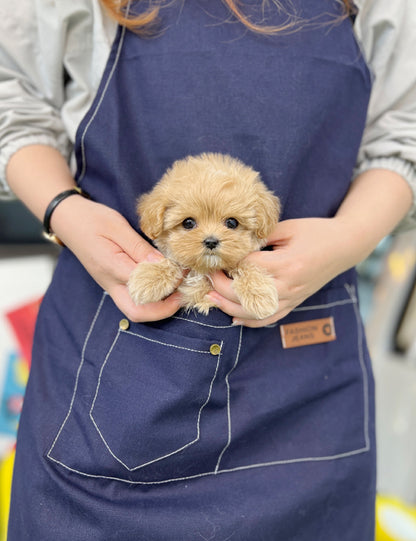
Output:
x=204 y=306
x=193 y=290
x=262 y=304
x=201 y=307
x=153 y=281
x=257 y=292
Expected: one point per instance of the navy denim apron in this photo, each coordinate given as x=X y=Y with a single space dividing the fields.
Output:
x=190 y=428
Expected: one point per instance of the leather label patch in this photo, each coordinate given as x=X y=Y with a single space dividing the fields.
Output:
x=305 y=333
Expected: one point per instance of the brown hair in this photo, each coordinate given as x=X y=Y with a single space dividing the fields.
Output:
x=145 y=23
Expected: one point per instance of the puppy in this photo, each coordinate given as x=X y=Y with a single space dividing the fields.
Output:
x=206 y=214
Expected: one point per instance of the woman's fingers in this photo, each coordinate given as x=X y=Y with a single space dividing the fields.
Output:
x=154 y=311
x=233 y=309
x=224 y=286
x=257 y=323
x=226 y=300
x=109 y=248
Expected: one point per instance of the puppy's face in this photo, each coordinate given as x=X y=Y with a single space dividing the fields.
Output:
x=207 y=237
x=208 y=212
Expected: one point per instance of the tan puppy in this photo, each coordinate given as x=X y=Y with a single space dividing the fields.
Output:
x=206 y=214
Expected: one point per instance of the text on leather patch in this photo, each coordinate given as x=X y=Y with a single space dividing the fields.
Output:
x=305 y=333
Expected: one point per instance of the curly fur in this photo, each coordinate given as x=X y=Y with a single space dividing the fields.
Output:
x=210 y=189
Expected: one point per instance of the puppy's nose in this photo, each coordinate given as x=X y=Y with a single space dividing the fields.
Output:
x=211 y=242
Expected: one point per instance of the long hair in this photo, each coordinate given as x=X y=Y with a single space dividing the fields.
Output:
x=145 y=22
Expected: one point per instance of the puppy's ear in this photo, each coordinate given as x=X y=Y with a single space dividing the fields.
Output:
x=267 y=207
x=151 y=208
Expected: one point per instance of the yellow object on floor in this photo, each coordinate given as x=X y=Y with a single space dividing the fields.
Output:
x=6 y=470
x=395 y=521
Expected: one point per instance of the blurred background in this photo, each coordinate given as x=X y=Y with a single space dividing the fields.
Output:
x=387 y=286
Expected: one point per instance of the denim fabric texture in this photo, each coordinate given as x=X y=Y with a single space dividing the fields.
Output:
x=145 y=431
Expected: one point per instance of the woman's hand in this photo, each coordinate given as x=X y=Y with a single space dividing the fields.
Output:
x=109 y=248
x=307 y=253
x=100 y=237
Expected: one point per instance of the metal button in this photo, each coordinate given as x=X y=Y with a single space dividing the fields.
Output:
x=215 y=349
x=124 y=324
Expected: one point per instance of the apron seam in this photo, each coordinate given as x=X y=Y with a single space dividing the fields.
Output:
x=316 y=307
x=74 y=392
x=360 y=338
x=339 y=456
x=320 y=306
x=98 y=106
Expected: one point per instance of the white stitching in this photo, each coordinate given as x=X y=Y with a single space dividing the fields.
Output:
x=95 y=398
x=203 y=324
x=313 y=307
x=351 y=291
x=298 y=309
x=173 y=452
x=229 y=400
x=230 y=470
x=350 y=288
x=100 y=305
x=166 y=343
x=320 y=306
x=110 y=76
x=353 y=300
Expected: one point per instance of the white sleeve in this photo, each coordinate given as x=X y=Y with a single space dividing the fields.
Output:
x=387 y=33
x=39 y=42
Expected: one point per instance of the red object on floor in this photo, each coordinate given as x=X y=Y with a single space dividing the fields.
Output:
x=23 y=321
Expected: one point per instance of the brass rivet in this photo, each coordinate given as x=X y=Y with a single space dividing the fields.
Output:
x=215 y=349
x=124 y=324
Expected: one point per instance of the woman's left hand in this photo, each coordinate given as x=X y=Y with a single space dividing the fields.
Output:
x=307 y=253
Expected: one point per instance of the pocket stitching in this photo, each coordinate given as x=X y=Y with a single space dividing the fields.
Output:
x=351 y=291
x=164 y=343
x=203 y=324
x=199 y=412
x=84 y=347
x=353 y=300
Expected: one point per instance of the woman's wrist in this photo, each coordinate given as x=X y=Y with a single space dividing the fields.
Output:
x=377 y=201
x=36 y=174
x=71 y=217
x=51 y=209
x=351 y=243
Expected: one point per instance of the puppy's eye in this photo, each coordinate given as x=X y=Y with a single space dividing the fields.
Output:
x=231 y=223
x=189 y=223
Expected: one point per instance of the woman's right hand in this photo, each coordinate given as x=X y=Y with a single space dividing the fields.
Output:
x=109 y=248
x=103 y=241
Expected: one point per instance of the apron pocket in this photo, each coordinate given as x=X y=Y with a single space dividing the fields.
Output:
x=150 y=396
x=144 y=403
x=307 y=401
